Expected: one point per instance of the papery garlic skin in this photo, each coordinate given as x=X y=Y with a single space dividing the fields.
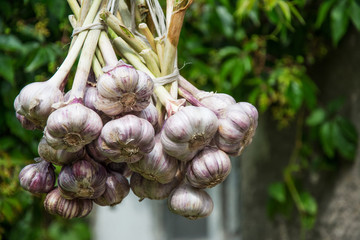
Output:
x=116 y=189
x=188 y=131
x=208 y=168
x=237 y=125
x=38 y=177
x=156 y=165
x=82 y=179
x=54 y=203
x=216 y=102
x=123 y=89
x=28 y=125
x=72 y=127
x=145 y=188
x=35 y=101
x=58 y=157
x=126 y=139
x=190 y=202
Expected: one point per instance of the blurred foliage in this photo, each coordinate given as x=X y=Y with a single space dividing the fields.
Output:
x=260 y=51
x=33 y=37
x=256 y=50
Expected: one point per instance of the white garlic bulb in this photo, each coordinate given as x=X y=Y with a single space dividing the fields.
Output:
x=126 y=139
x=123 y=89
x=72 y=127
x=188 y=131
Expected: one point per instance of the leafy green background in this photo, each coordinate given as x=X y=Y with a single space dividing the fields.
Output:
x=256 y=50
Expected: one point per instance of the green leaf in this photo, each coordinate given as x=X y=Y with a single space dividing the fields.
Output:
x=339 y=21
x=277 y=191
x=323 y=11
x=294 y=94
x=228 y=67
x=296 y=13
x=10 y=43
x=326 y=139
x=316 y=117
x=346 y=146
x=354 y=11
x=7 y=70
x=227 y=20
x=228 y=51
x=285 y=10
x=309 y=203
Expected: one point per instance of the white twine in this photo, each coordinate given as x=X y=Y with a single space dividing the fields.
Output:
x=174 y=76
x=93 y=26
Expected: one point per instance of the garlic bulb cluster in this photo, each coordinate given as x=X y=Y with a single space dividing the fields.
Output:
x=129 y=121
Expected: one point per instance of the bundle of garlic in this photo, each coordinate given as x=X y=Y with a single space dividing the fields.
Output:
x=139 y=119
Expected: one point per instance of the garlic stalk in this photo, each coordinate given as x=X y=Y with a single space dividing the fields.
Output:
x=35 y=101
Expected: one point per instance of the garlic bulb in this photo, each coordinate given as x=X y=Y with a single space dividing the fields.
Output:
x=123 y=89
x=35 y=101
x=126 y=139
x=150 y=114
x=216 y=102
x=190 y=202
x=208 y=168
x=72 y=127
x=93 y=151
x=116 y=189
x=156 y=165
x=120 y=167
x=82 y=179
x=55 y=204
x=90 y=96
x=58 y=157
x=38 y=177
x=145 y=188
x=28 y=125
x=237 y=125
x=188 y=131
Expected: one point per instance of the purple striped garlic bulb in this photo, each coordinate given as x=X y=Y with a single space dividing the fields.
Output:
x=145 y=188
x=72 y=127
x=35 y=102
x=126 y=139
x=156 y=165
x=82 y=179
x=116 y=189
x=188 y=131
x=216 y=102
x=58 y=157
x=208 y=168
x=237 y=125
x=55 y=204
x=38 y=177
x=190 y=202
x=122 y=88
